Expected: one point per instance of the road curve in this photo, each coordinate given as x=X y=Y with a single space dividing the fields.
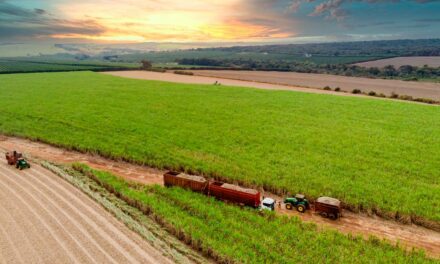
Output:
x=407 y=235
x=43 y=219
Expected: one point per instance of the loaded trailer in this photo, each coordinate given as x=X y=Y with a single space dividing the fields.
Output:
x=219 y=190
x=325 y=206
x=234 y=193
x=328 y=207
x=192 y=182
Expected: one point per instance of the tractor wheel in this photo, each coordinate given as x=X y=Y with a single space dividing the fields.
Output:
x=301 y=208
x=288 y=206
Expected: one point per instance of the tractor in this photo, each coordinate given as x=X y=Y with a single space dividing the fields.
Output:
x=15 y=158
x=22 y=164
x=299 y=201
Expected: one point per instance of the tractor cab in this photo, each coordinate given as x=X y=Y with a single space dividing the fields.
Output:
x=22 y=164
x=298 y=201
x=268 y=204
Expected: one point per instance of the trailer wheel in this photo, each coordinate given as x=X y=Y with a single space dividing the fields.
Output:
x=288 y=206
x=332 y=216
x=324 y=214
x=301 y=208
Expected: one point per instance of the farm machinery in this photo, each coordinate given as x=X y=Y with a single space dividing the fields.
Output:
x=325 y=206
x=299 y=202
x=17 y=159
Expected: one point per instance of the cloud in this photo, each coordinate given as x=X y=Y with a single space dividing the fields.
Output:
x=333 y=9
x=22 y=23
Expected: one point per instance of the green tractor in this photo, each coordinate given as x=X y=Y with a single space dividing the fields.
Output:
x=22 y=164
x=299 y=201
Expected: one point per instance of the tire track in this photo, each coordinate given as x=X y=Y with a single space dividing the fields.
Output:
x=70 y=220
x=80 y=230
x=94 y=227
x=131 y=245
x=10 y=244
x=50 y=229
x=8 y=218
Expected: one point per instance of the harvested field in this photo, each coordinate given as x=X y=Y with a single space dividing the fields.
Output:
x=178 y=78
x=400 y=61
x=359 y=224
x=46 y=220
x=387 y=87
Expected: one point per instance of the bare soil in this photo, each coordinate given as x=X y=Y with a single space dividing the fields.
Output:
x=303 y=82
x=44 y=219
x=400 y=61
x=410 y=236
x=199 y=79
x=387 y=87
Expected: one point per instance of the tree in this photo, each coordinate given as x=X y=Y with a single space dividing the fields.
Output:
x=146 y=65
x=389 y=70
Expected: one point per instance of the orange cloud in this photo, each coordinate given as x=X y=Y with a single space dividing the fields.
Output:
x=171 y=20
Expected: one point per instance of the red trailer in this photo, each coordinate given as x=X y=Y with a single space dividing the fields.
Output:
x=328 y=207
x=192 y=182
x=234 y=193
x=12 y=157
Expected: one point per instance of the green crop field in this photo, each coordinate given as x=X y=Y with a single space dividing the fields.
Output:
x=230 y=234
x=22 y=66
x=171 y=56
x=372 y=154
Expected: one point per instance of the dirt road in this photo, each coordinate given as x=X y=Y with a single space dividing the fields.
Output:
x=178 y=78
x=415 y=89
x=46 y=220
x=408 y=235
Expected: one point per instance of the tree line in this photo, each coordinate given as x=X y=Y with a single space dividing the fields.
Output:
x=404 y=72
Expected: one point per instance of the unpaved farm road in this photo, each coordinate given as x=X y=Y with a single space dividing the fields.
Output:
x=292 y=81
x=44 y=219
x=359 y=224
x=387 y=87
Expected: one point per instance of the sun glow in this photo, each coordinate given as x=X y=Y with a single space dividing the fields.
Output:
x=174 y=20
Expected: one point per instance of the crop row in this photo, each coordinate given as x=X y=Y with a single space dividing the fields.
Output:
x=16 y=66
x=375 y=155
x=231 y=234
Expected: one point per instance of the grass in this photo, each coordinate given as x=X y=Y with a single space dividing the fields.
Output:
x=375 y=155
x=230 y=234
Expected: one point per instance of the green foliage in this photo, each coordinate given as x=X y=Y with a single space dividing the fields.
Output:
x=373 y=154
x=230 y=234
x=425 y=73
x=184 y=72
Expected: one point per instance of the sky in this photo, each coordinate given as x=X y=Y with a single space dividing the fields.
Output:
x=130 y=21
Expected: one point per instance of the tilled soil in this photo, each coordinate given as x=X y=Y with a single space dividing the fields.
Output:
x=407 y=235
x=419 y=61
x=43 y=219
x=293 y=81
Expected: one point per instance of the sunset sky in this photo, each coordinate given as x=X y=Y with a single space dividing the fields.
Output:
x=217 y=20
